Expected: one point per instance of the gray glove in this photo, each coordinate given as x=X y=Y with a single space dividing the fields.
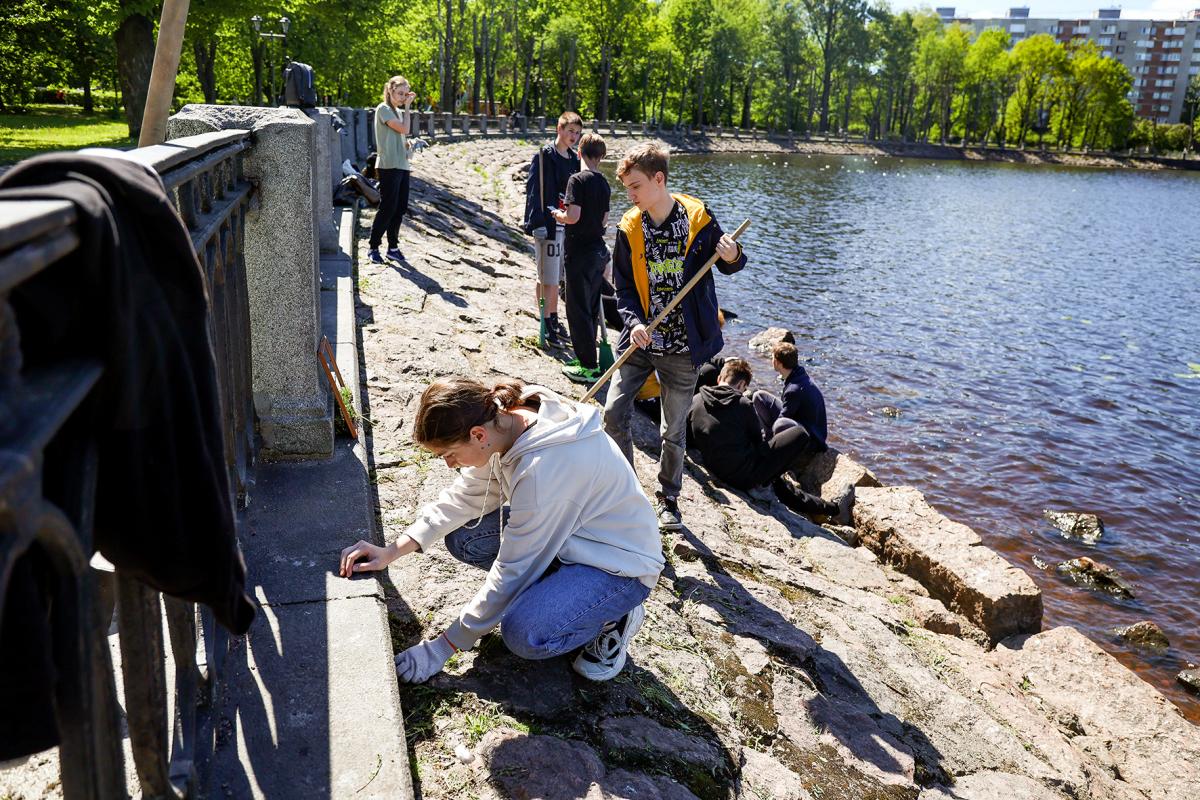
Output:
x=539 y=233
x=421 y=662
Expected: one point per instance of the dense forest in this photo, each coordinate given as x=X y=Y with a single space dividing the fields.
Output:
x=804 y=65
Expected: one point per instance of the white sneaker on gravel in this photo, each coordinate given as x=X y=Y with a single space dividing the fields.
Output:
x=604 y=657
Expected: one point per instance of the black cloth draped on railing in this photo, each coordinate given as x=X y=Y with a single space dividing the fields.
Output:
x=133 y=296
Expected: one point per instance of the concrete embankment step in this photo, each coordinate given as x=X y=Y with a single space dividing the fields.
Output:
x=948 y=559
x=310 y=707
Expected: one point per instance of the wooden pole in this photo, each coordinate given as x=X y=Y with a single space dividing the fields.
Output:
x=162 y=77
x=687 y=287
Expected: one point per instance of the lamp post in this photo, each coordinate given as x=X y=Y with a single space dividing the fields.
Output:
x=284 y=24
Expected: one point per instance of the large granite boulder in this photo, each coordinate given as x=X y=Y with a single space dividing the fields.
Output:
x=763 y=343
x=833 y=476
x=1108 y=711
x=948 y=559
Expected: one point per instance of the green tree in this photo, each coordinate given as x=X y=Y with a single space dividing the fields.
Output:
x=988 y=83
x=834 y=26
x=1040 y=62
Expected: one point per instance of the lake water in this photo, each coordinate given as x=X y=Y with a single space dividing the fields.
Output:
x=1028 y=331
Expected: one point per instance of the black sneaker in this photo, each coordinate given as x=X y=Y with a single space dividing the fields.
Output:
x=374 y=257
x=667 y=510
x=394 y=254
x=560 y=332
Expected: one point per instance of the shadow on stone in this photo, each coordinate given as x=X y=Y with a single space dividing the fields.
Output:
x=807 y=692
x=427 y=284
x=631 y=730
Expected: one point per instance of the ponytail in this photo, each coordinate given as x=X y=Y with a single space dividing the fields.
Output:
x=450 y=407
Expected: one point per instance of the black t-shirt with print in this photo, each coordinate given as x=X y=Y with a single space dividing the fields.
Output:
x=665 y=248
x=590 y=191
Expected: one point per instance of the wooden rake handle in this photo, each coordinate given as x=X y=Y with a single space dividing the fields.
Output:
x=687 y=287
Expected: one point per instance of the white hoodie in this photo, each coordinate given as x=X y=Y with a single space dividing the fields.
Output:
x=571 y=495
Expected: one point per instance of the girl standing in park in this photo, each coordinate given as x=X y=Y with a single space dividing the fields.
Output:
x=569 y=561
x=393 y=121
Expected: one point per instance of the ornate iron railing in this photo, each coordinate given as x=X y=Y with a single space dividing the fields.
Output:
x=204 y=177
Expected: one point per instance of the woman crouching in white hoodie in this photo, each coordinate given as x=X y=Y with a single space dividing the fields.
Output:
x=575 y=556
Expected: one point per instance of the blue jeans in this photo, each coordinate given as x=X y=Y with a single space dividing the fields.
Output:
x=563 y=610
x=677 y=380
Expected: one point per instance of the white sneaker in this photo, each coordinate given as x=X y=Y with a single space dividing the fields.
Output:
x=605 y=656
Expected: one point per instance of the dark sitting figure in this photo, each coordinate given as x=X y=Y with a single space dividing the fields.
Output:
x=801 y=404
x=724 y=427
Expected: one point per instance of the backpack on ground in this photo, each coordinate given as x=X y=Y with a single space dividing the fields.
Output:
x=299 y=90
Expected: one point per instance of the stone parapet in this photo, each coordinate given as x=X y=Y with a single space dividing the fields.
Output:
x=291 y=396
x=948 y=559
x=323 y=143
x=347 y=137
x=362 y=125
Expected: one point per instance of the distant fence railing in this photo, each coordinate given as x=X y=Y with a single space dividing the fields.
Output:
x=205 y=179
x=444 y=126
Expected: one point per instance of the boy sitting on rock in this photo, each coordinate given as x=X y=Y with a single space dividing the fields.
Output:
x=662 y=242
x=801 y=404
x=724 y=427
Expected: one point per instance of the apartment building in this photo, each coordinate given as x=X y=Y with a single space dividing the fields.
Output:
x=1162 y=55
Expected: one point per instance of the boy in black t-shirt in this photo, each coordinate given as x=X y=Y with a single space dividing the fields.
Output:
x=585 y=218
x=549 y=171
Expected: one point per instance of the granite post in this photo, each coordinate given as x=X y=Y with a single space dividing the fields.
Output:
x=291 y=396
x=335 y=150
x=361 y=147
x=322 y=171
x=348 y=135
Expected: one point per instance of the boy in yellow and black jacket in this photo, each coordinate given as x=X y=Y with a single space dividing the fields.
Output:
x=662 y=242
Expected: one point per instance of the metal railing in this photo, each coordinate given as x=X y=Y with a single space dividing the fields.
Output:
x=443 y=126
x=203 y=175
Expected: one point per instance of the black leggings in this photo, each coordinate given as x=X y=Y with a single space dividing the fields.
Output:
x=393 y=205
x=789 y=449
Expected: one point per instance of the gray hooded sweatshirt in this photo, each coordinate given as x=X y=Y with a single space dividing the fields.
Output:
x=571 y=496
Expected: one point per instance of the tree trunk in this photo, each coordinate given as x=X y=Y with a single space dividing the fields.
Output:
x=662 y=103
x=826 y=82
x=206 y=57
x=256 y=58
x=846 y=105
x=135 y=57
x=605 y=73
x=477 y=50
x=747 y=97
x=572 y=60
x=447 y=89
x=491 y=48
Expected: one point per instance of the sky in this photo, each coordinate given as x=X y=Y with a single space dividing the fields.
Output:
x=1067 y=9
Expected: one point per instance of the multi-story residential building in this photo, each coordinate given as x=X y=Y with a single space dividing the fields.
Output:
x=1162 y=55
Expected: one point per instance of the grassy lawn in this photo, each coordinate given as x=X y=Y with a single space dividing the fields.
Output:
x=53 y=127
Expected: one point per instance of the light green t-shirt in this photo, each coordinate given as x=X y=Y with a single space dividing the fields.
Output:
x=391 y=146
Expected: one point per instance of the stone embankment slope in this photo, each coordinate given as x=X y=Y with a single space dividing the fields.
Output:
x=777 y=660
